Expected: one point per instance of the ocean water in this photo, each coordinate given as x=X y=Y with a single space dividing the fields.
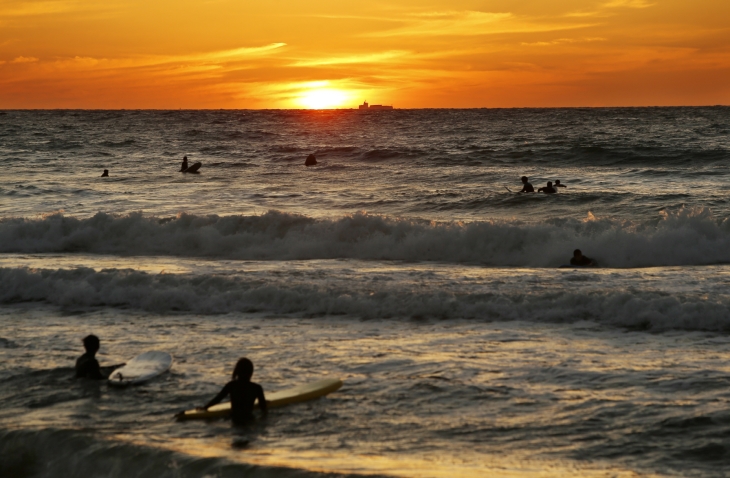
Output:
x=403 y=263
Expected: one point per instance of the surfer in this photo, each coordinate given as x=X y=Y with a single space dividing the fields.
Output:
x=549 y=189
x=105 y=174
x=580 y=260
x=526 y=187
x=243 y=393
x=184 y=164
x=558 y=185
x=87 y=366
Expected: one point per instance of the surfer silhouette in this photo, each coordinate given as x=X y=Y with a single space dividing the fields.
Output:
x=558 y=185
x=184 y=164
x=549 y=189
x=243 y=393
x=105 y=174
x=526 y=187
x=87 y=366
x=580 y=260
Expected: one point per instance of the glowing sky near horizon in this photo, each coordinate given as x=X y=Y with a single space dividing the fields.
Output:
x=332 y=54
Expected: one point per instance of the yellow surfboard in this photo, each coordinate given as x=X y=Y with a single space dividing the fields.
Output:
x=302 y=393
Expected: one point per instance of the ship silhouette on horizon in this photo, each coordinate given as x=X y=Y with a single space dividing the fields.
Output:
x=366 y=106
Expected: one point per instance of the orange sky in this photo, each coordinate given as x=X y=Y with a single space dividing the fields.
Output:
x=331 y=53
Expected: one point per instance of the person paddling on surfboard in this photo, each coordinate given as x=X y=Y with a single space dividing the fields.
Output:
x=580 y=260
x=526 y=187
x=243 y=393
x=549 y=189
x=87 y=366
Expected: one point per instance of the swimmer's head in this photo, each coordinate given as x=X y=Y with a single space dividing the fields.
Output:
x=524 y=179
x=557 y=181
x=577 y=253
x=243 y=370
x=550 y=184
x=91 y=343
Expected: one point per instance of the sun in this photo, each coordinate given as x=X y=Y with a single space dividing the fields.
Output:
x=324 y=98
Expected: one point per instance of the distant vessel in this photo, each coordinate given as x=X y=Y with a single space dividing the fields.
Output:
x=366 y=106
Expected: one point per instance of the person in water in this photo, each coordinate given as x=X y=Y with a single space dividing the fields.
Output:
x=549 y=189
x=243 y=393
x=87 y=366
x=526 y=187
x=105 y=174
x=184 y=164
x=558 y=185
x=580 y=260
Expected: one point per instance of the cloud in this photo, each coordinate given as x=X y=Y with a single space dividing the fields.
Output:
x=25 y=59
x=470 y=23
x=628 y=4
x=562 y=41
x=353 y=59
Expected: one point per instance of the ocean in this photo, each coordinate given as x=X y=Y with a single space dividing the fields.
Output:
x=404 y=263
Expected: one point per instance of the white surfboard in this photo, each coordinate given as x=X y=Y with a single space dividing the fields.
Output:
x=302 y=393
x=141 y=368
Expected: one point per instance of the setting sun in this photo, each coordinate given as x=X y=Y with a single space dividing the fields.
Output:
x=324 y=98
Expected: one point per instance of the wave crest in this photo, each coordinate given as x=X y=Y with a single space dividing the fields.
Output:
x=685 y=237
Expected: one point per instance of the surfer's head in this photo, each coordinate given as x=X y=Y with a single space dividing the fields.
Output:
x=524 y=179
x=550 y=184
x=557 y=182
x=577 y=253
x=243 y=370
x=91 y=343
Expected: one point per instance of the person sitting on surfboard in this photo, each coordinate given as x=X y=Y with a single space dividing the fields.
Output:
x=243 y=393
x=549 y=189
x=580 y=260
x=527 y=187
x=184 y=164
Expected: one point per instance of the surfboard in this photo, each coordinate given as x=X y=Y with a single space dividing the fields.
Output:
x=193 y=168
x=141 y=368
x=302 y=393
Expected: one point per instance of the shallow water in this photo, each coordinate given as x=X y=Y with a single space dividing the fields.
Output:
x=401 y=264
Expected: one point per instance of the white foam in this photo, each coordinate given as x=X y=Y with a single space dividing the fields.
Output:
x=687 y=237
x=531 y=297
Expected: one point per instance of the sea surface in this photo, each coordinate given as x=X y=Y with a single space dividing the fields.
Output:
x=404 y=263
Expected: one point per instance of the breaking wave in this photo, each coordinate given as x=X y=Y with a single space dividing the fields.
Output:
x=84 y=288
x=684 y=237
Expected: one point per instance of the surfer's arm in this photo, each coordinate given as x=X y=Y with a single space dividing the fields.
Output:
x=217 y=399
x=262 y=400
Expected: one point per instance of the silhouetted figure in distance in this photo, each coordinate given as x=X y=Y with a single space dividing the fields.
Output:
x=580 y=260
x=105 y=174
x=311 y=160
x=243 y=393
x=558 y=185
x=526 y=187
x=549 y=189
x=184 y=164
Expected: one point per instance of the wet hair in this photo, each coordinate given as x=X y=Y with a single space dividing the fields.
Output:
x=243 y=370
x=550 y=183
x=557 y=181
x=524 y=178
x=576 y=252
x=91 y=342
x=185 y=157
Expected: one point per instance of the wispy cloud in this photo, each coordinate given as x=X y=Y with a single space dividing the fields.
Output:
x=470 y=23
x=628 y=4
x=353 y=59
x=563 y=41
